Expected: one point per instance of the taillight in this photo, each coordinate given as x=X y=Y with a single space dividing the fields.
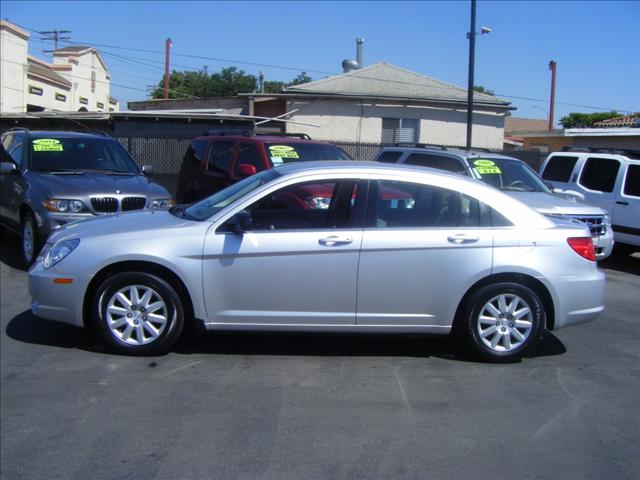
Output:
x=583 y=246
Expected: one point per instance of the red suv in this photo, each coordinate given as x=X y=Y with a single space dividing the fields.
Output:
x=213 y=162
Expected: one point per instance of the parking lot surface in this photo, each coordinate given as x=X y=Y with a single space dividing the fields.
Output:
x=319 y=407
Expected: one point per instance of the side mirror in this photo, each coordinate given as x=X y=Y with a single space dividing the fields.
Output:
x=147 y=170
x=245 y=170
x=8 y=168
x=241 y=222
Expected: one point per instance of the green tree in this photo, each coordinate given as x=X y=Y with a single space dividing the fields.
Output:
x=481 y=89
x=586 y=120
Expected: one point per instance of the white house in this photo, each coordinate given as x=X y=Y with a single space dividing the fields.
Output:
x=77 y=80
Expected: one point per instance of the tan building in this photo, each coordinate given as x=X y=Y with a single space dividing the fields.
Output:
x=77 y=80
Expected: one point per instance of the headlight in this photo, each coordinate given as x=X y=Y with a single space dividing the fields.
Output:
x=318 y=202
x=162 y=203
x=58 y=251
x=62 y=205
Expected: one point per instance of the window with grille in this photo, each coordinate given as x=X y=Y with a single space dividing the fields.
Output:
x=400 y=130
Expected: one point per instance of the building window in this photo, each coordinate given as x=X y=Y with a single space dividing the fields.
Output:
x=84 y=101
x=35 y=90
x=93 y=82
x=112 y=110
x=100 y=104
x=400 y=130
x=60 y=97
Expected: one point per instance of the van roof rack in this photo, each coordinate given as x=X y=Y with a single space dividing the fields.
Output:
x=222 y=132
x=419 y=145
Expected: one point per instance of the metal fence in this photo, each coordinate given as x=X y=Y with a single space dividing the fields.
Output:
x=165 y=154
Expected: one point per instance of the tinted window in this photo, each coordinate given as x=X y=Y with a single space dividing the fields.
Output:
x=80 y=154
x=435 y=161
x=6 y=141
x=389 y=157
x=195 y=153
x=309 y=205
x=220 y=156
x=249 y=155
x=632 y=181
x=280 y=153
x=412 y=205
x=559 y=168
x=600 y=174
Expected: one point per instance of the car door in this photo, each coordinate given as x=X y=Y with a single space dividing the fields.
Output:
x=12 y=185
x=423 y=246
x=626 y=212
x=297 y=265
x=597 y=181
x=216 y=173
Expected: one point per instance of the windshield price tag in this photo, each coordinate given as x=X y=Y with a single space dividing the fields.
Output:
x=47 y=145
x=486 y=167
x=283 y=151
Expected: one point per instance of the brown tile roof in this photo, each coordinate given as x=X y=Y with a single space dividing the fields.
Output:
x=632 y=120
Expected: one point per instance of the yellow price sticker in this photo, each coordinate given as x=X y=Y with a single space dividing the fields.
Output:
x=47 y=145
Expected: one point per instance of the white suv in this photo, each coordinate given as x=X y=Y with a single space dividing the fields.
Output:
x=607 y=178
x=513 y=177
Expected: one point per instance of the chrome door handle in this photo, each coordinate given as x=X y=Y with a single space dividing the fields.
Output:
x=334 y=240
x=462 y=238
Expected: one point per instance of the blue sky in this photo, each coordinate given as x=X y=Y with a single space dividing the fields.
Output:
x=596 y=44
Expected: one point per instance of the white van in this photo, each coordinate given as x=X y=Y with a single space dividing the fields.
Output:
x=607 y=178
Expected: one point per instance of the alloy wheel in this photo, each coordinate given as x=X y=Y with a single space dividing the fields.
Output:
x=505 y=322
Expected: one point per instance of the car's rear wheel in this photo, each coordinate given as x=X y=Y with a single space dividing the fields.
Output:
x=502 y=322
x=139 y=313
x=30 y=240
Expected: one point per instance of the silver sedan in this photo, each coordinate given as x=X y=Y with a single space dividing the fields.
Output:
x=357 y=247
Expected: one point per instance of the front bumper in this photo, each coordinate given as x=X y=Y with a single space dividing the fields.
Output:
x=56 y=301
x=603 y=244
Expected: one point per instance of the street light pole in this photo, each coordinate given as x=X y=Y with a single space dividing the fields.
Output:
x=472 y=53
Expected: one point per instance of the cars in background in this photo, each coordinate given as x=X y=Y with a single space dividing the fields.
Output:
x=51 y=178
x=513 y=177
x=443 y=253
x=214 y=162
x=605 y=177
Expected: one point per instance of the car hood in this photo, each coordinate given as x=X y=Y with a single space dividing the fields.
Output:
x=95 y=183
x=147 y=223
x=547 y=203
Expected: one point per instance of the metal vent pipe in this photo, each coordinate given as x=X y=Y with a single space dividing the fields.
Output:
x=359 y=55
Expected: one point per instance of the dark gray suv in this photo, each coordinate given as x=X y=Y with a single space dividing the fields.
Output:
x=49 y=179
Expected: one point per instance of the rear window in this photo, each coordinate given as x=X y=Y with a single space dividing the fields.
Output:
x=281 y=153
x=435 y=161
x=559 y=168
x=600 y=174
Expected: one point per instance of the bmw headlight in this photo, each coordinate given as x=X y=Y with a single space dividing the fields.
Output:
x=64 y=205
x=58 y=251
x=162 y=203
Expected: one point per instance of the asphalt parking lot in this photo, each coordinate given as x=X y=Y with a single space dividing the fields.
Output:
x=319 y=407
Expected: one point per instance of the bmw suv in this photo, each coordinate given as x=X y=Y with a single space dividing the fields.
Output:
x=49 y=179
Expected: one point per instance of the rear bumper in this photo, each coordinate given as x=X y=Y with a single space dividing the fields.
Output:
x=578 y=299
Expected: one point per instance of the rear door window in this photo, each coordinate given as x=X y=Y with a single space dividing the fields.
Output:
x=600 y=174
x=389 y=157
x=559 y=168
x=632 y=181
x=220 y=156
x=435 y=161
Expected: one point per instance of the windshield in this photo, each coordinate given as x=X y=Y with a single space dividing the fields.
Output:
x=80 y=155
x=509 y=175
x=206 y=208
x=280 y=153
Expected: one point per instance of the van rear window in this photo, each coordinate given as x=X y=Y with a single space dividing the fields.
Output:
x=559 y=168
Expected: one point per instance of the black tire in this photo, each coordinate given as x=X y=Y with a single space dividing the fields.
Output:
x=134 y=329
x=499 y=336
x=29 y=238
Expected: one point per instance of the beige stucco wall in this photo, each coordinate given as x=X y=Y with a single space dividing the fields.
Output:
x=13 y=55
x=351 y=120
x=80 y=77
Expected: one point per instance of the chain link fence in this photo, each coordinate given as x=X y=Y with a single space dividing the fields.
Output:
x=165 y=154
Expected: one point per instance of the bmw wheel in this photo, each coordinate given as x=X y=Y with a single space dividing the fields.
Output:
x=30 y=241
x=502 y=322
x=139 y=314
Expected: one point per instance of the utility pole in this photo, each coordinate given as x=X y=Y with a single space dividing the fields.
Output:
x=56 y=36
x=167 y=46
x=472 y=53
x=552 y=101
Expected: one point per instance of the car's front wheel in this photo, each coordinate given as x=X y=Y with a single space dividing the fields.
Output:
x=502 y=322
x=30 y=239
x=139 y=313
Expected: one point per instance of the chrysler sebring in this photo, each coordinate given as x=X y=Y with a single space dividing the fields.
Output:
x=341 y=247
